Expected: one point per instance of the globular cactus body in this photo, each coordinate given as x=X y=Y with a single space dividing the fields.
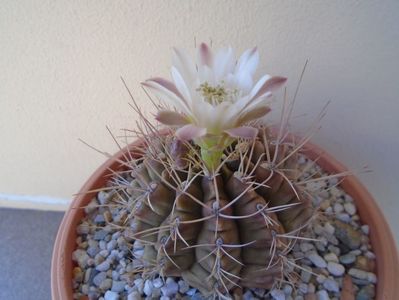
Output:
x=222 y=230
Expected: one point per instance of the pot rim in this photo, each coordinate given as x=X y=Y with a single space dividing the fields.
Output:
x=381 y=238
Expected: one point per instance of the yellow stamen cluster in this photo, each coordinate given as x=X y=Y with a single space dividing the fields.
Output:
x=214 y=95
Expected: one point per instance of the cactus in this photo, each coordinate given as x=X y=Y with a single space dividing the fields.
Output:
x=215 y=198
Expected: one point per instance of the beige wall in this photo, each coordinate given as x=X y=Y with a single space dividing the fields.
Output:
x=60 y=63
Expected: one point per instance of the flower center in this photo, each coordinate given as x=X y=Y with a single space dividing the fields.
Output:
x=213 y=94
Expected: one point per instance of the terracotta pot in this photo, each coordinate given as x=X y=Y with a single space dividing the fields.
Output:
x=387 y=262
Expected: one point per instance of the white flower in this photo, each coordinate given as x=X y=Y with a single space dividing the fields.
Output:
x=214 y=96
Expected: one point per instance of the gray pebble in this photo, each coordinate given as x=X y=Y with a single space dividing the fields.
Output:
x=134 y=296
x=106 y=284
x=118 y=286
x=322 y=295
x=338 y=208
x=99 y=278
x=331 y=257
x=347 y=235
x=331 y=285
x=316 y=259
x=183 y=286
x=81 y=257
x=139 y=283
x=335 y=268
x=306 y=274
x=363 y=275
x=366 y=293
x=365 y=229
x=347 y=259
x=104 y=266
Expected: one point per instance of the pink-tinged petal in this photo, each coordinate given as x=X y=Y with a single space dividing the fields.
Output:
x=164 y=88
x=224 y=63
x=248 y=61
x=171 y=118
x=253 y=114
x=244 y=132
x=205 y=55
x=181 y=85
x=259 y=84
x=270 y=86
x=189 y=132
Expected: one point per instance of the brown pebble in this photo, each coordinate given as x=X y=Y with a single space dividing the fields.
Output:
x=311 y=296
x=237 y=293
x=364 y=263
x=347 y=292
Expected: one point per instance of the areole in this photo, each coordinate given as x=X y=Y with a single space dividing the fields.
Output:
x=381 y=238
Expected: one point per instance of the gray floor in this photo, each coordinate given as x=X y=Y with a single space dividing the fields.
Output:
x=26 y=244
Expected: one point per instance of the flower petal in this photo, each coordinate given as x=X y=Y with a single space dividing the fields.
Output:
x=184 y=64
x=171 y=118
x=253 y=114
x=163 y=87
x=189 y=132
x=270 y=85
x=248 y=62
x=181 y=85
x=224 y=63
x=244 y=132
x=204 y=55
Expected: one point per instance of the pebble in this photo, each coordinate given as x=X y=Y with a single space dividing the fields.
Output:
x=347 y=235
x=322 y=295
x=363 y=275
x=148 y=287
x=104 y=266
x=305 y=247
x=277 y=294
x=183 y=286
x=139 y=283
x=158 y=282
x=366 y=293
x=331 y=257
x=365 y=229
x=347 y=259
x=81 y=257
x=306 y=274
x=134 y=296
x=106 y=284
x=350 y=208
x=338 y=208
x=316 y=259
x=331 y=285
x=118 y=286
x=170 y=288
x=110 y=295
x=335 y=268
x=99 y=278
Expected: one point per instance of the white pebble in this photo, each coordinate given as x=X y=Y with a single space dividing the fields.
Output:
x=335 y=268
x=338 y=208
x=316 y=259
x=329 y=228
x=350 y=208
x=365 y=229
x=277 y=294
x=157 y=283
x=148 y=287
x=170 y=288
x=110 y=295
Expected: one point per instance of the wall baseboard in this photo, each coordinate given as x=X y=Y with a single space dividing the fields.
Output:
x=33 y=202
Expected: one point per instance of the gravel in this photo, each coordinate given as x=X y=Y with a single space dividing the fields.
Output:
x=338 y=246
